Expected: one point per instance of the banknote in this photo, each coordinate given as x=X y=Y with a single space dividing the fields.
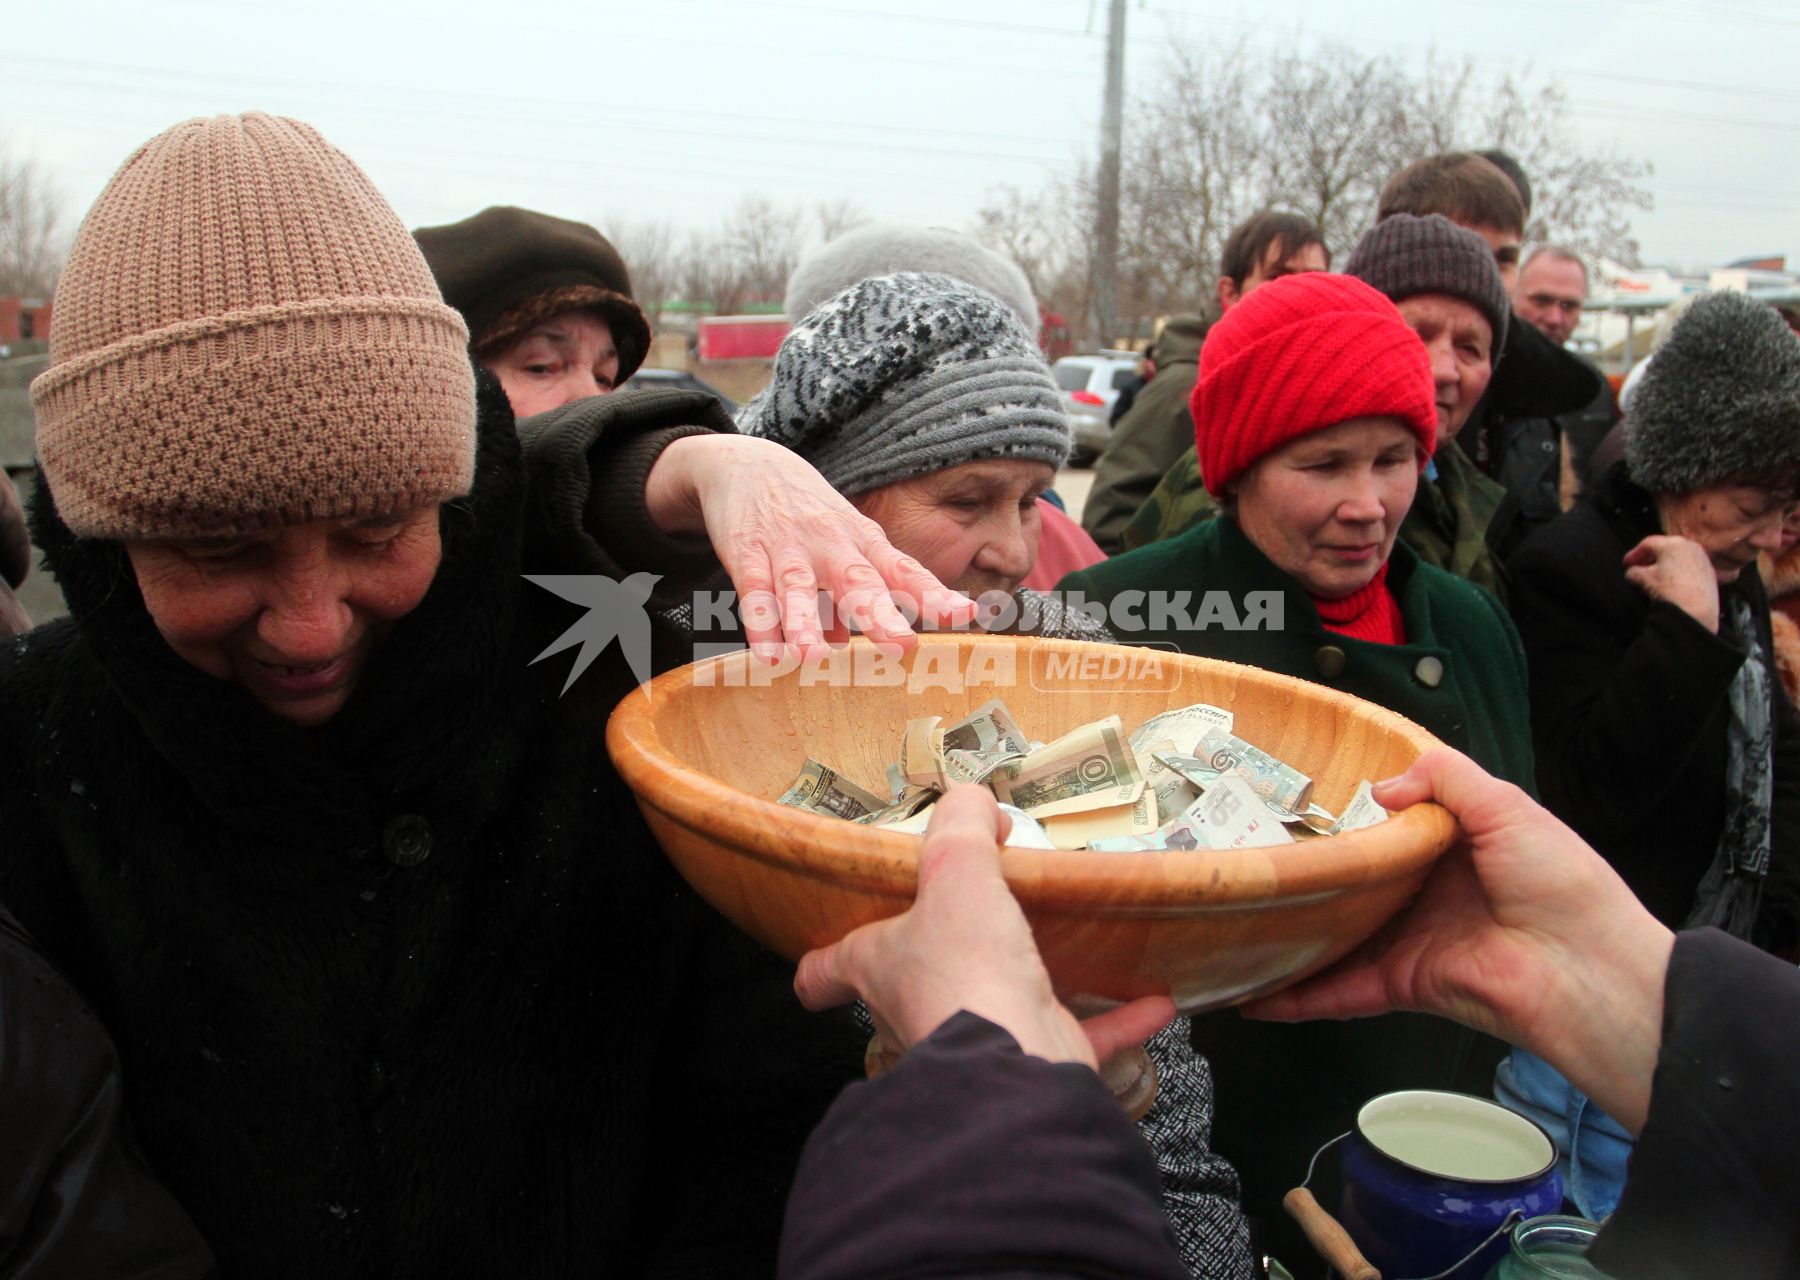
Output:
x=1025 y=833
x=1087 y=768
x=1190 y=768
x=1081 y=830
x=1184 y=727
x=1230 y=815
x=1272 y=779
x=821 y=789
x=981 y=742
x=1173 y=792
x=911 y=800
x=1362 y=811
x=921 y=761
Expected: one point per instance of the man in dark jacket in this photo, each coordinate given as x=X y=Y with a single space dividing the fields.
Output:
x=1543 y=401
x=1158 y=430
x=1150 y=434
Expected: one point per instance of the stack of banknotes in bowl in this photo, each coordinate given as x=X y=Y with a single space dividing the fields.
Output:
x=1182 y=780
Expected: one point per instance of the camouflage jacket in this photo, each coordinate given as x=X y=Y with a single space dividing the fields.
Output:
x=1452 y=521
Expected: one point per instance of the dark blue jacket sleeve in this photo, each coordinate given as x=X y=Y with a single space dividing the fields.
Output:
x=972 y=1158
x=1713 y=1188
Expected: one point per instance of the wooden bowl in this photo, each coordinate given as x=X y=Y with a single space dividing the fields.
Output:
x=707 y=749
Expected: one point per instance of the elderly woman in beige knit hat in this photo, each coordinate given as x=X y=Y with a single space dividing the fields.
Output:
x=400 y=983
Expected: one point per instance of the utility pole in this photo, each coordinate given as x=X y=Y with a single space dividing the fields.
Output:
x=1104 y=310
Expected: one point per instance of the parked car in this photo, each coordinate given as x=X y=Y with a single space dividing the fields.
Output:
x=1089 y=386
x=678 y=378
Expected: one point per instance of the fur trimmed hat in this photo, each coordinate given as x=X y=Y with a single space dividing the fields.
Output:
x=903 y=375
x=888 y=248
x=1404 y=256
x=1720 y=401
x=508 y=270
x=246 y=336
x=1299 y=354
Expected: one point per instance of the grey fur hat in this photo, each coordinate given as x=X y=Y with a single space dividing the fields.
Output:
x=1404 y=255
x=886 y=248
x=903 y=375
x=1720 y=401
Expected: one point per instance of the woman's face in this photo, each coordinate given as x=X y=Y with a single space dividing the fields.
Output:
x=974 y=526
x=568 y=357
x=291 y=614
x=1325 y=508
x=1732 y=523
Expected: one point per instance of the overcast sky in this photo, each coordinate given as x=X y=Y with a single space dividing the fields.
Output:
x=912 y=109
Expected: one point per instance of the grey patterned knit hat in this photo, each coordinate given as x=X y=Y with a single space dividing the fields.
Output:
x=1404 y=255
x=903 y=375
x=885 y=248
x=1720 y=401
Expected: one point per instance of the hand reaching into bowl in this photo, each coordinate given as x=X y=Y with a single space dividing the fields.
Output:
x=1523 y=932
x=784 y=535
x=964 y=944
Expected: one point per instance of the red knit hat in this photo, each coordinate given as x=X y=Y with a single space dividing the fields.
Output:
x=1299 y=354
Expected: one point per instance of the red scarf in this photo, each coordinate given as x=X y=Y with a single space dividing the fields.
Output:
x=1369 y=613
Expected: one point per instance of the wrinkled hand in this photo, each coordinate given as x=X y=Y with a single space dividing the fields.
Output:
x=1522 y=931
x=784 y=535
x=1679 y=571
x=964 y=944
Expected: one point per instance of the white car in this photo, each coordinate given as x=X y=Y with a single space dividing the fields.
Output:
x=1090 y=385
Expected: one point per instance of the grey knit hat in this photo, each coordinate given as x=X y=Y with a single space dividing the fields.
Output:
x=1404 y=255
x=1721 y=400
x=886 y=248
x=903 y=375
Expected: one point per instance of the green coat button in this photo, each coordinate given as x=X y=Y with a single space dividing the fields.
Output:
x=1430 y=671
x=1330 y=661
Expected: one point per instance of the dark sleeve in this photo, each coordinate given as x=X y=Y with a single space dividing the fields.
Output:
x=74 y=1199
x=588 y=463
x=1146 y=440
x=1615 y=718
x=746 y=1075
x=972 y=1158
x=1713 y=1187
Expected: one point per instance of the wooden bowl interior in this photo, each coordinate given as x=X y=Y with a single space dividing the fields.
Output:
x=756 y=739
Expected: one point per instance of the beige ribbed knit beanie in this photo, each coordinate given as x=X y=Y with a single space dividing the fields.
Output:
x=247 y=336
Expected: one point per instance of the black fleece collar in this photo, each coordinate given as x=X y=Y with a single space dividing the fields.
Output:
x=440 y=705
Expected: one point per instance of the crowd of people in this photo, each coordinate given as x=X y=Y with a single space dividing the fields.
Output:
x=331 y=943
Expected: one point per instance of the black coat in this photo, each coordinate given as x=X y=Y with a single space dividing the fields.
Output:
x=413 y=993
x=1629 y=708
x=1542 y=401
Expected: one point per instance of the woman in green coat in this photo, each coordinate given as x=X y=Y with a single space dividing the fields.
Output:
x=1314 y=414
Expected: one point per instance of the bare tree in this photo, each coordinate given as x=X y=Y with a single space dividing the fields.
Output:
x=31 y=251
x=1049 y=236
x=1579 y=199
x=708 y=272
x=765 y=240
x=833 y=218
x=650 y=255
x=1222 y=132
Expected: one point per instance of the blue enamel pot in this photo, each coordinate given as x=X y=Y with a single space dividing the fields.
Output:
x=1433 y=1180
